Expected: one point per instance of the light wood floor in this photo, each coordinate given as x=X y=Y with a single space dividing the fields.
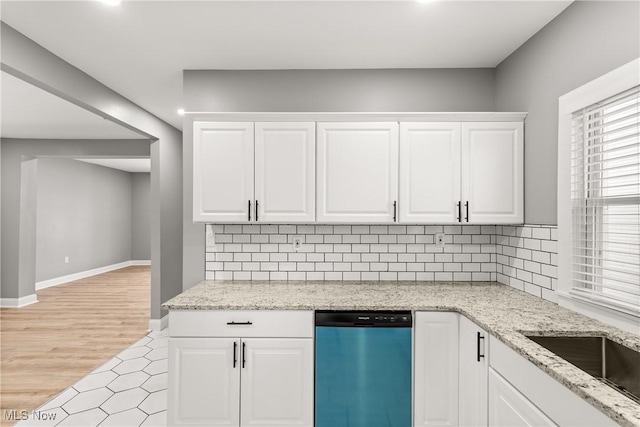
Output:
x=74 y=328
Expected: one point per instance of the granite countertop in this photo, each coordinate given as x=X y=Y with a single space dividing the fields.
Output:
x=506 y=313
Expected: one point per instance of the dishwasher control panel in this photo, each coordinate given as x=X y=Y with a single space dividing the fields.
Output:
x=391 y=319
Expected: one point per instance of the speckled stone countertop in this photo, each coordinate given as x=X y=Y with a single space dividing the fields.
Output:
x=504 y=312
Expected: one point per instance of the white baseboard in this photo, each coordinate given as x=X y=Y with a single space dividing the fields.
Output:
x=88 y=273
x=159 y=324
x=18 y=302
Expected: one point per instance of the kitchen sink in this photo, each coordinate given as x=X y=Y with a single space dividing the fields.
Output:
x=613 y=364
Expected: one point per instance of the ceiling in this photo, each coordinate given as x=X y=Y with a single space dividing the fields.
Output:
x=30 y=112
x=140 y=48
x=127 y=165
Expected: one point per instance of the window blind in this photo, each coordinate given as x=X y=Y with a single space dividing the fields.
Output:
x=605 y=193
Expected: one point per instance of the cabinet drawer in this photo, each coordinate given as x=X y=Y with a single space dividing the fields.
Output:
x=241 y=323
x=558 y=402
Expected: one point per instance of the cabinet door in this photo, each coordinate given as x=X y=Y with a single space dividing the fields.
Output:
x=285 y=172
x=277 y=382
x=492 y=172
x=204 y=382
x=474 y=368
x=357 y=172
x=509 y=408
x=429 y=172
x=436 y=369
x=222 y=171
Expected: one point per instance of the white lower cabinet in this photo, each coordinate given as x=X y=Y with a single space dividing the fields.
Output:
x=435 y=369
x=277 y=382
x=521 y=394
x=510 y=408
x=204 y=382
x=251 y=379
x=241 y=382
x=450 y=371
x=474 y=367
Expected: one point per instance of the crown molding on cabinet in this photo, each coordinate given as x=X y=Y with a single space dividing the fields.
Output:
x=357 y=117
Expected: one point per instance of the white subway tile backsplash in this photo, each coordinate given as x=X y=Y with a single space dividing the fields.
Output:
x=351 y=275
x=350 y=257
x=278 y=275
x=526 y=259
x=388 y=275
x=297 y=275
x=332 y=257
x=444 y=276
x=351 y=238
x=371 y=275
x=520 y=256
x=272 y=229
x=259 y=275
x=333 y=238
x=278 y=257
x=389 y=257
x=366 y=257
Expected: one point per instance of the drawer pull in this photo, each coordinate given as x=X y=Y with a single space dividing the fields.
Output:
x=239 y=323
x=235 y=353
x=243 y=351
x=480 y=346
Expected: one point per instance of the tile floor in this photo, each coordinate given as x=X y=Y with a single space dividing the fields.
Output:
x=129 y=390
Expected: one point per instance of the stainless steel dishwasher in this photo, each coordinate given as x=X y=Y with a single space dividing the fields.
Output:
x=363 y=369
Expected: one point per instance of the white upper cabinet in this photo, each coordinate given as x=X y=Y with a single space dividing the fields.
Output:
x=429 y=172
x=461 y=173
x=285 y=164
x=357 y=170
x=222 y=171
x=235 y=181
x=493 y=172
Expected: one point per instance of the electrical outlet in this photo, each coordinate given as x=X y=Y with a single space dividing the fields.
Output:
x=439 y=240
x=66 y=260
x=297 y=243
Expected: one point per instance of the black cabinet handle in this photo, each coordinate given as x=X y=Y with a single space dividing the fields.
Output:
x=480 y=337
x=466 y=205
x=394 y=211
x=256 y=210
x=239 y=323
x=249 y=210
x=459 y=205
x=243 y=348
x=235 y=353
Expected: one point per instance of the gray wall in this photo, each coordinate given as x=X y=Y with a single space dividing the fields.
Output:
x=401 y=90
x=25 y=59
x=19 y=195
x=340 y=90
x=585 y=41
x=84 y=211
x=140 y=216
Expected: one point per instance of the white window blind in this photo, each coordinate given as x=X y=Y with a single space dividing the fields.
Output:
x=605 y=193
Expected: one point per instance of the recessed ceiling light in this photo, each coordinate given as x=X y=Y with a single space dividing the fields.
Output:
x=112 y=2
x=181 y=111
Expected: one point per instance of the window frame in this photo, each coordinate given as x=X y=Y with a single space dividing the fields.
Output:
x=606 y=86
